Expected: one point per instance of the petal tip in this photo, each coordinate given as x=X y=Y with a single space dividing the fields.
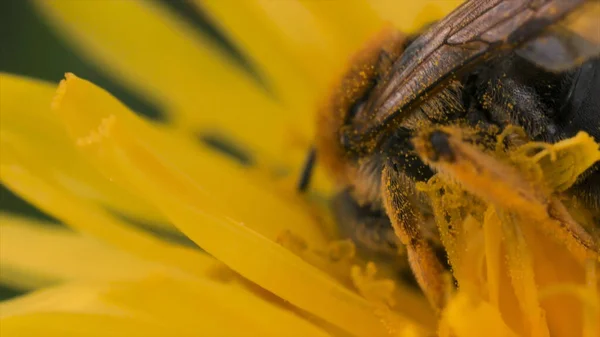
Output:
x=61 y=91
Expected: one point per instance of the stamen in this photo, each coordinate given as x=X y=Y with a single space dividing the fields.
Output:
x=520 y=264
x=493 y=235
x=591 y=311
x=378 y=291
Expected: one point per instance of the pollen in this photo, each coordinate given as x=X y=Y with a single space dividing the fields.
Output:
x=103 y=131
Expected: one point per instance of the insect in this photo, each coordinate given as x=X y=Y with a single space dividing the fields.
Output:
x=488 y=64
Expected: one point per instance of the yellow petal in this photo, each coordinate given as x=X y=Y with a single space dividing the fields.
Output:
x=106 y=133
x=554 y=266
x=520 y=265
x=34 y=254
x=346 y=25
x=197 y=83
x=27 y=124
x=410 y=16
x=80 y=325
x=184 y=306
x=283 y=39
x=30 y=182
x=493 y=239
x=471 y=253
x=209 y=307
x=470 y=318
x=591 y=323
x=74 y=297
x=91 y=114
x=500 y=291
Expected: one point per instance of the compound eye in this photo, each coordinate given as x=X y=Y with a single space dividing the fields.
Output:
x=441 y=146
x=357 y=107
x=359 y=104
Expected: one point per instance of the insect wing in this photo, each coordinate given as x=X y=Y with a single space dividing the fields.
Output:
x=473 y=32
x=568 y=43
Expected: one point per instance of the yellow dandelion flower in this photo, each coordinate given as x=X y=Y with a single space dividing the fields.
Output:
x=265 y=261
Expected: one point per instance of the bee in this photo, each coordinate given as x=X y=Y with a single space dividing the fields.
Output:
x=489 y=64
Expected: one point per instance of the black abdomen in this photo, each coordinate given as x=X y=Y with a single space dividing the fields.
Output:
x=549 y=106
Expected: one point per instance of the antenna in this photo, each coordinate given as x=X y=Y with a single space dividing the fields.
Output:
x=309 y=164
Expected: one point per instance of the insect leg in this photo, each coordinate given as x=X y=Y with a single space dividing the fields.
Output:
x=422 y=258
x=503 y=185
x=370 y=229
